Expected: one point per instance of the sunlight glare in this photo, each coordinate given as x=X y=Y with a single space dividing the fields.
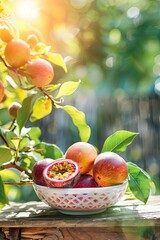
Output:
x=26 y=9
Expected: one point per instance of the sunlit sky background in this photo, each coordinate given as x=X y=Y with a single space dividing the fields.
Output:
x=46 y=17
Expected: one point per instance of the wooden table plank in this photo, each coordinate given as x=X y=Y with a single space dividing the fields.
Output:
x=128 y=220
x=125 y=213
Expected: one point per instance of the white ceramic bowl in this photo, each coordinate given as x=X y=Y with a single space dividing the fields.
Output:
x=81 y=200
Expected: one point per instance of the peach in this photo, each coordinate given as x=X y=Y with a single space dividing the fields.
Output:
x=40 y=71
x=84 y=154
x=17 y=53
x=110 y=169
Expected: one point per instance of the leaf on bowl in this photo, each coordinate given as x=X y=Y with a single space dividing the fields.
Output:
x=139 y=182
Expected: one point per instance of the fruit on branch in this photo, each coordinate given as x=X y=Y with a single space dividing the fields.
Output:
x=84 y=154
x=86 y=181
x=5 y=34
x=32 y=40
x=17 y=53
x=13 y=109
x=110 y=169
x=37 y=171
x=40 y=71
x=61 y=173
x=2 y=92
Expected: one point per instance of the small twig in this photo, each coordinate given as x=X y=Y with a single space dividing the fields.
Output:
x=10 y=68
x=46 y=94
x=17 y=74
x=18 y=183
x=4 y=140
x=27 y=89
x=12 y=126
x=12 y=165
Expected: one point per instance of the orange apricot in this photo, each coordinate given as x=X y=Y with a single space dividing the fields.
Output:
x=17 y=53
x=5 y=34
x=40 y=71
x=84 y=154
x=2 y=93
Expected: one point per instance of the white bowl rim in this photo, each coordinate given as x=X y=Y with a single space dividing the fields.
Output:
x=78 y=190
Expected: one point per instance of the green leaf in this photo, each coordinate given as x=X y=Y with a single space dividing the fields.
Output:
x=8 y=136
x=56 y=59
x=24 y=144
x=52 y=88
x=5 y=154
x=79 y=121
x=49 y=150
x=3 y=197
x=41 y=108
x=28 y=160
x=4 y=116
x=139 y=182
x=118 y=141
x=67 y=88
x=9 y=175
x=25 y=111
x=34 y=134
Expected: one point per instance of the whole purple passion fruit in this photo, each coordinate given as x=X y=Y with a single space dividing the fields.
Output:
x=37 y=172
x=86 y=181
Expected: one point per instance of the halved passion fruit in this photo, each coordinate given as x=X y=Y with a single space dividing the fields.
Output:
x=61 y=173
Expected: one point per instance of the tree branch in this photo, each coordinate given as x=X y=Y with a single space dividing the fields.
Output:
x=12 y=165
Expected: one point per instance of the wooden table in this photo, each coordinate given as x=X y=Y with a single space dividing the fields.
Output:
x=128 y=220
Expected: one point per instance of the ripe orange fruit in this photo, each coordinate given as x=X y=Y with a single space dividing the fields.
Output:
x=2 y=94
x=84 y=154
x=40 y=71
x=17 y=53
x=32 y=40
x=110 y=169
x=5 y=34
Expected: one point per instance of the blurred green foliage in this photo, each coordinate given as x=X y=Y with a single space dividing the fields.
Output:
x=112 y=45
x=116 y=48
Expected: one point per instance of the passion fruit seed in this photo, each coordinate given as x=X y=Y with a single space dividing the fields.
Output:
x=61 y=171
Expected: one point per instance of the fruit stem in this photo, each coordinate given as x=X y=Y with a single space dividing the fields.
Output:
x=17 y=74
x=12 y=126
x=46 y=94
x=6 y=143
x=4 y=140
x=10 y=68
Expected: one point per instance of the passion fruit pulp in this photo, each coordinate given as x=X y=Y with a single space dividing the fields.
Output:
x=61 y=173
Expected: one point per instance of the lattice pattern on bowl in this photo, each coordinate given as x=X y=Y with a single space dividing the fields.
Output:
x=80 y=199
